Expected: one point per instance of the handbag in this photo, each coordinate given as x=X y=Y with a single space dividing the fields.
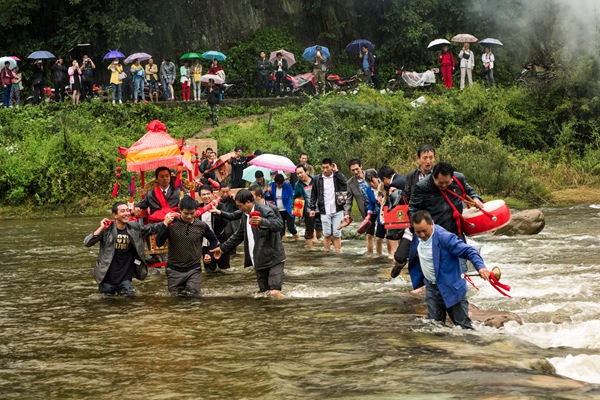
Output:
x=466 y=55
x=122 y=75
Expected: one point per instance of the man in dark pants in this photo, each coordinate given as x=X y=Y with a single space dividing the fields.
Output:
x=263 y=65
x=121 y=255
x=127 y=84
x=87 y=78
x=218 y=226
x=357 y=189
x=434 y=263
x=238 y=164
x=260 y=230
x=185 y=235
x=59 y=75
x=38 y=75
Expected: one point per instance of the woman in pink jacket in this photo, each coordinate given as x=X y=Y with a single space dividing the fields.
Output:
x=75 y=80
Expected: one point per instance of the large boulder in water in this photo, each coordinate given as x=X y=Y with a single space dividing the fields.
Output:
x=528 y=222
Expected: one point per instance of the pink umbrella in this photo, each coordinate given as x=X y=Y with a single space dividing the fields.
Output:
x=274 y=162
x=15 y=58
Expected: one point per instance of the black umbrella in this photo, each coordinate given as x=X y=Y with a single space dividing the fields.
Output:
x=78 y=51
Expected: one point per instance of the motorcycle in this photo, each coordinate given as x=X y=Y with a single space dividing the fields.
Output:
x=235 y=89
x=50 y=96
x=339 y=84
x=534 y=74
x=410 y=80
x=288 y=85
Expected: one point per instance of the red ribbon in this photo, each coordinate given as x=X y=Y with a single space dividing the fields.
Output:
x=115 y=189
x=499 y=286
x=468 y=279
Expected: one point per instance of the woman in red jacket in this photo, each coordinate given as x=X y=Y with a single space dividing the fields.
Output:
x=447 y=65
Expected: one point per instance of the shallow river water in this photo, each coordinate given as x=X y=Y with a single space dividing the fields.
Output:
x=345 y=329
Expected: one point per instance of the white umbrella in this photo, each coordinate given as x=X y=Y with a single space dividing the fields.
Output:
x=286 y=55
x=437 y=44
x=12 y=62
x=206 y=78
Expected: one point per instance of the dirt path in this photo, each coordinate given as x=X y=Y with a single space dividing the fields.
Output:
x=241 y=121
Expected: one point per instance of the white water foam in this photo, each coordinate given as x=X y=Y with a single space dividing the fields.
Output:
x=303 y=291
x=582 y=367
x=583 y=335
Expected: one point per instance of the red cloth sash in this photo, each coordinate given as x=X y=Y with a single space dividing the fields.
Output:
x=165 y=208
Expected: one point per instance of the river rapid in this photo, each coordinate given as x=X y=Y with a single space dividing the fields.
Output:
x=345 y=329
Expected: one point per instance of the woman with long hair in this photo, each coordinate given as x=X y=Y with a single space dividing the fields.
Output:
x=75 y=81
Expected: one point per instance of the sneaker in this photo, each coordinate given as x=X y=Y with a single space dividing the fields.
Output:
x=120 y=102
x=135 y=102
x=114 y=102
x=397 y=269
x=144 y=100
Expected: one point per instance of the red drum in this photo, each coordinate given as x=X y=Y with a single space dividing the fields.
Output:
x=396 y=218
x=476 y=222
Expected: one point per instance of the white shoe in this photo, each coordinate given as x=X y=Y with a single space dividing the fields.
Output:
x=113 y=102
x=120 y=102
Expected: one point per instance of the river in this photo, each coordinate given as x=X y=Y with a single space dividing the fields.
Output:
x=345 y=329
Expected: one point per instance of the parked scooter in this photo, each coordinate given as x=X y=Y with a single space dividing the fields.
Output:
x=339 y=84
x=410 y=80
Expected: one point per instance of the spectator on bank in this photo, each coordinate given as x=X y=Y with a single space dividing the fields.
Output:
x=216 y=69
x=281 y=66
x=213 y=102
x=37 y=80
x=488 y=67
x=368 y=63
x=87 y=77
x=152 y=79
x=17 y=86
x=59 y=76
x=184 y=72
x=75 y=81
x=319 y=63
x=6 y=76
x=264 y=67
x=447 y=65
x=196 y=73
x=167 y=73
x=138 y=72
x=467 y=63
x=115 y=82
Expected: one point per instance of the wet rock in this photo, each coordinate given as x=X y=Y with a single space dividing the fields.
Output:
x=540 y=364
x=495 y=319
x=528 y=222
x=560 y=319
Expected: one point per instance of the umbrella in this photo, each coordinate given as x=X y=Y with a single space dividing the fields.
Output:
x=464 y=38
x=137 y=56
x=249 y=172
x=356 y=46
x=491 y=42
x=218 y=80
x=310 y=52
x=11 y=61
x=286 y=55
x=80 y=50
x=15 y=58
x=274 y=161
x=190 y=55
x=38 y=55
x=114 y=54
x=437 y=44
x=212 y=55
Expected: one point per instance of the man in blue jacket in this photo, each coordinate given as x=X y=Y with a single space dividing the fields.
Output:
x=434 y=261
x=368 y=63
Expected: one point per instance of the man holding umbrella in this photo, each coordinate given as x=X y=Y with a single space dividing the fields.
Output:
x=281 y=66
x=319 y=62
x=37 y=81
x=368 y=63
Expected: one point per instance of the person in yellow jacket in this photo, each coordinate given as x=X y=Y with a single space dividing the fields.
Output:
x=115 y=82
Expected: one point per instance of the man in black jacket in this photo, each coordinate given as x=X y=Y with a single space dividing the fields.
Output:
x=38 y=75
x=156 y=198
x=238 y=164
x=426 y=159
x=264 y=66
x=427 y=195
x=213 y=99
x=326 y=200
x=260 y=230
x=59 y=75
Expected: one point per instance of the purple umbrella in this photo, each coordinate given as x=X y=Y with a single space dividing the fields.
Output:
x=114 y=54
x=137 y=56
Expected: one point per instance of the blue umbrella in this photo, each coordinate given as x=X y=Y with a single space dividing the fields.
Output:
x=114 y=54
x=310 y=52
x=38 y=55
x=250 y=170
x=212 y=55
x=356 y=46
x=491 y=42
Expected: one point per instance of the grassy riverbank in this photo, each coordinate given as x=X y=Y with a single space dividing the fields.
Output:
x=538 y=146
